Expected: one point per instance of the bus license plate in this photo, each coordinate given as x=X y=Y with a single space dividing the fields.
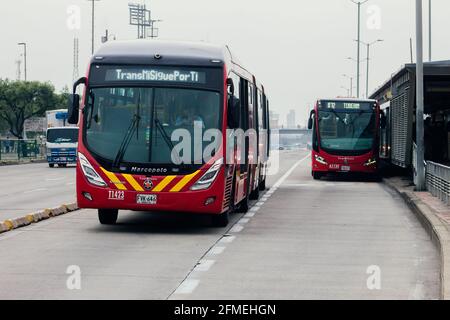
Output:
x=345 y=168
x=146 y=199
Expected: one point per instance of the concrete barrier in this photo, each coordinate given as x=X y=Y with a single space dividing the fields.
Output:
x=36 y=217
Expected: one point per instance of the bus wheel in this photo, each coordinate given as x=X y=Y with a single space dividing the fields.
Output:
x=51 y=165
x=262 y=185
x=221 y=220
x=108 y=216
x=244 y=206
x=254 y=195
x=316 y=175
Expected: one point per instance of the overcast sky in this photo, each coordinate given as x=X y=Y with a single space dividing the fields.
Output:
x=297 y=48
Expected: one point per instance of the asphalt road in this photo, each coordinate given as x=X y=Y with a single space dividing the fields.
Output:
x=29 y=188
x=305 y=239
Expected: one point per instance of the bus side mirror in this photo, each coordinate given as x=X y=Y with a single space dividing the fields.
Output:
x=73 y=109
x=74 y=102
x=310 y=121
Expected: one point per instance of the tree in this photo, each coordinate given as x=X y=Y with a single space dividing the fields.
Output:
x=20 y=101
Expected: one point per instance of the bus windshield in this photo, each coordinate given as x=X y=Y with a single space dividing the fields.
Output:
x=62 y=135
x=139 y=122
x=347 y=132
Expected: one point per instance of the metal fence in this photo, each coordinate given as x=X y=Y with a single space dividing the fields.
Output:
x=438 y=181
x=20 y=149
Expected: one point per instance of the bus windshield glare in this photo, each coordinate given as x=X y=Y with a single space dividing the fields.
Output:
x=347 y=127
x=140 y=121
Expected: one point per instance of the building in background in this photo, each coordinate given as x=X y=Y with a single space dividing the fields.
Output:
x=274 y=120
x=291 y=124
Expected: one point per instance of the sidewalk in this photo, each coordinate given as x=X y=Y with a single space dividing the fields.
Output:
x=434 y=216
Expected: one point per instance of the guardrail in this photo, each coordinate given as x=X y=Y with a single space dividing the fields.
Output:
x=438 y=181
x=20 y=149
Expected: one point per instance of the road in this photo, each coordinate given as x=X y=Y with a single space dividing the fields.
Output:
x=33 y=187
x=305 y=239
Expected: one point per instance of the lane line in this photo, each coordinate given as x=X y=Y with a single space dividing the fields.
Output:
x=204 y=265
x=237 y=228
x=287 y=174
x=216 y=250
x=187 y=287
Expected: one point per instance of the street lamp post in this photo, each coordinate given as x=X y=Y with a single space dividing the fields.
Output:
x=430 y=26
x=368 y=45
x=24 y=57
x=420 y=100
x=93 y=25
x=359 y=3
x=351 y=83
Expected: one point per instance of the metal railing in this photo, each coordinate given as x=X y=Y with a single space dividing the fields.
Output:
x=20 y=149
x=438 y=181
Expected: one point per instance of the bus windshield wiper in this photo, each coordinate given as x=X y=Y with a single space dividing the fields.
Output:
x=134 y=126
x=167 y=139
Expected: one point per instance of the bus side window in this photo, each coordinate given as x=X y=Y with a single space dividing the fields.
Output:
x=234 y=111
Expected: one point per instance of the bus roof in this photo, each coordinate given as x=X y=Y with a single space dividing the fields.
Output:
x=348 y=100
x=162 y=53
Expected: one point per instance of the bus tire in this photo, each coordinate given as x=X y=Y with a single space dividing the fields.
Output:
x=108 y=216
x=51 y=165
x=221 y=220
x=262 y=185
x=317 y=175
x=254 y=195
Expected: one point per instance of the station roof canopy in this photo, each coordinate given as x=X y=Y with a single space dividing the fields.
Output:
x=434 y=68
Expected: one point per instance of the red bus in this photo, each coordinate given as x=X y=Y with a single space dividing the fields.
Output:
x=158 y=123
x=345 y=136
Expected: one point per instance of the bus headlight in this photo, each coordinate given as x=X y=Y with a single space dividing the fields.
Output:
x=370 y=162
x=321 y=160
x=89 y=172
x=209 y=177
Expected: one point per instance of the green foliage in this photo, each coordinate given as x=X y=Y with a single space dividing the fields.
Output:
x=21 y=100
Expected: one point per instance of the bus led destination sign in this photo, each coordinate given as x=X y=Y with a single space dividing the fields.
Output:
x=156 y=75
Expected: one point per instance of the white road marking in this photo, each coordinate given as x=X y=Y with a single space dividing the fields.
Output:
x=216 y=250
x=35 y=190
x=188 y=286
x=227 y=239
x=244 y=220
x=254 y=209
x=287 y=174
x=204 y=265
x=237 y=228
x=70 y=184
x=250 y=214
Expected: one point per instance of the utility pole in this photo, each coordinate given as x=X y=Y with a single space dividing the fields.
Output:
x=430 y=37
x=420 y=100
x=411 y=49
x=76 y=55
x=359 y=3
x=93 y=25
x=19 y=69
x=24 y=57
x=368 y=62
x=351 y=83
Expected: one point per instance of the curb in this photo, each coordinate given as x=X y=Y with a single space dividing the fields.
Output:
x=436 y=228
x=36 y=217
x=4 y=163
